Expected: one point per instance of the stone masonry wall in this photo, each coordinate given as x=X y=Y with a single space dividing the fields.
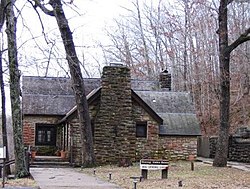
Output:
x=177 y=147
x=154 y=146
x=75 y=142
x=146 y=147
x=75 y=135
x=238 y=149
x=161 y=147
x=165 y=80
x=114 y=116
x=114 y=138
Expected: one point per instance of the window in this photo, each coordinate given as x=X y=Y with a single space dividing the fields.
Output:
x=93 y=128
x=45 y=134
x=141 y=129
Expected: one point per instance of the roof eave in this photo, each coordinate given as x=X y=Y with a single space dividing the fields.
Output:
x=145 y=106
x=179 y=134
x=90 y=98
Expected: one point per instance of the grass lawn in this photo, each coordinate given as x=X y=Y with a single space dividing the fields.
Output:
x=203 y=176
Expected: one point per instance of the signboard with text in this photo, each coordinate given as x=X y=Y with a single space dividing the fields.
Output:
x=2 y=152
x=150 y=164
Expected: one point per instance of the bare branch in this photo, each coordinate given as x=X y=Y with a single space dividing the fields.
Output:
x=229 y=1
x=2 y=13
x=43 y=8
x=49 y=58
x=241 y=39
x=40 y=19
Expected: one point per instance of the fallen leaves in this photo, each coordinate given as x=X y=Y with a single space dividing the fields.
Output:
x=203 y=176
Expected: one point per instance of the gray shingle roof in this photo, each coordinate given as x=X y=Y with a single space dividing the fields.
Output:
x=47 y=104
x=54 y=96
x=179 y=124
x=165 y=101
x=176 y=109
x=51 y=95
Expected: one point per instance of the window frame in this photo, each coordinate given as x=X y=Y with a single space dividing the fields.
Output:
x=40 y=127
x=141 y=125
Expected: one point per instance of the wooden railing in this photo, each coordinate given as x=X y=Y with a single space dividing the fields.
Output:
x=6 y=163
x=2 y=169
x=10 y=162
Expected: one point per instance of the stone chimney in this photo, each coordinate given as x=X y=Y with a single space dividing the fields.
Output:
x=165 y=80
x=114 y=130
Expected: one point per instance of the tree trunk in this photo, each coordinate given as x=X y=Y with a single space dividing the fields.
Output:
x=224 y=57
x=4 y=125
x=4 y=128
x=15 y=92
x=78 y=84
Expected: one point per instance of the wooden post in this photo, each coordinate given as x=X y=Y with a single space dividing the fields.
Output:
x=3 y=173
x=28 y=160
x=144 y=173
x=192 y=165
x=135 y=182
x=191 y=159
x=164 y=173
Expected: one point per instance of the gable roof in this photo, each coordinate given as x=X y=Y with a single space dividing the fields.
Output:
x=50 y=95
x=176 y=109
x=97 y=93
x=54 y=95
x=94 y=94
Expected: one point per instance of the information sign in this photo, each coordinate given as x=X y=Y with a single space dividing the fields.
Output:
x=153 y=164
x=2 y=152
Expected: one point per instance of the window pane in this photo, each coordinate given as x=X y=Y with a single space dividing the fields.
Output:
x=39 y=137
x=141 y=130
x=45 y=134
x=48 y=136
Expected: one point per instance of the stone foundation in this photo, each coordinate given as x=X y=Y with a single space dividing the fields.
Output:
x=177 y=147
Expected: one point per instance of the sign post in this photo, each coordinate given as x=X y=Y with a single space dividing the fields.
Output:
x=151 y=164
x=3 y=156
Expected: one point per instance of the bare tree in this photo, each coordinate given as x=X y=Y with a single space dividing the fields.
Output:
x=145 y=52
x=15 y=91
x=3 y=99
x=57 y=11
x=225 y=51
x=3 y=117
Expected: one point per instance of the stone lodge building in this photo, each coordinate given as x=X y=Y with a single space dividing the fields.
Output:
x=130 y=119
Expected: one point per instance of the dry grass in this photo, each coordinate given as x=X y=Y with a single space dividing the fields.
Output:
x=204 y=176
x=22 y=182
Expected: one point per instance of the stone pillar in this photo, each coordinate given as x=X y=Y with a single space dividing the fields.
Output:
x=165 y=80
x=114 y=129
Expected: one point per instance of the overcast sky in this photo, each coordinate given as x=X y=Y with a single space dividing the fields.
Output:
x=87 y=19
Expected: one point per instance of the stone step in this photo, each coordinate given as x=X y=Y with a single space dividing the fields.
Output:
x=49 y=158
x=49 y=162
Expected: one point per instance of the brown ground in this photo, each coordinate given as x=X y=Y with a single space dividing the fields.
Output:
x=24 y=182
x=204 y=176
